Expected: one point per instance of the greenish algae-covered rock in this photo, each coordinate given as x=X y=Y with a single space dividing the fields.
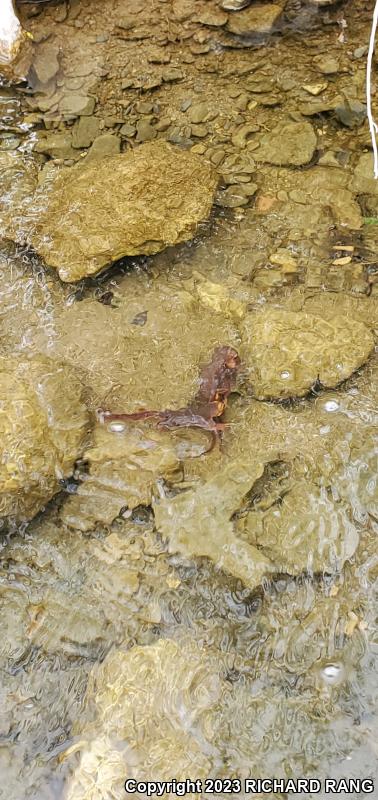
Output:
x=305 y=531
x=124 y=465
x=157 y=710
x=143 y=697
x=134 y=203
x=198 y=523
x=288 y=352
x=42 y=427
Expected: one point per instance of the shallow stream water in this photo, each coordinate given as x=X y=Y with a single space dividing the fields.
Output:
x=171 y=613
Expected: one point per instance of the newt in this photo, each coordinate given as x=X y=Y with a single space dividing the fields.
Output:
x=217 y=381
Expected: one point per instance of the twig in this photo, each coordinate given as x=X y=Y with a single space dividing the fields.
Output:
x=372 y=124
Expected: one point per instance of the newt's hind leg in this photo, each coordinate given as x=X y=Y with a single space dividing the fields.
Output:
x=217 y=435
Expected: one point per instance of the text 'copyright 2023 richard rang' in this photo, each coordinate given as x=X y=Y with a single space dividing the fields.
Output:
x=252 y=786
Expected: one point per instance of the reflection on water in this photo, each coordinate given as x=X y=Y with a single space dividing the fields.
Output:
x=163 y=615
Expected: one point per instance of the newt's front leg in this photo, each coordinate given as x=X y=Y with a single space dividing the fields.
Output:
x=109 y=415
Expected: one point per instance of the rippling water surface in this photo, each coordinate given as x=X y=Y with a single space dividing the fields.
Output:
x=169 y=614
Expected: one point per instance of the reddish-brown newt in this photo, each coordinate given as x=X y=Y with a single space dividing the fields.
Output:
x=217 y=380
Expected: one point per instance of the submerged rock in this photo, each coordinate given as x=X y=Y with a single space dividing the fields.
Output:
x=151 y=365
x=306 y=530
x=236 y=195
x=55 y=145
x=156 y=710
x=217 y=297
x=18 y=182
x=358 y=482
x=124 y=468
x=135 y=203
x=291 y=144
x=316 y=193
x=174 y=689
x=43 y=422
x=288 y=352
x=199 y=523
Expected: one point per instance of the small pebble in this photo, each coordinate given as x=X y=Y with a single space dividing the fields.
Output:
x=315 y=88
x=359 y=52
x=342 y=262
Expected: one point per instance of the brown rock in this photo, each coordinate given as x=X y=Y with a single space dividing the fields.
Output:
x=214 y=17
x=171 y=74
x=291 y=144
x=85 y=131
x=55 y=145
x=200 y=112
x=127 y=130
x=77 y=105
x=182 y=9
x=105 y=145
x=145 y=131
x=129 y=204
x=199 y=131
x=256 y=19
x=327 y=64
x=45 y=64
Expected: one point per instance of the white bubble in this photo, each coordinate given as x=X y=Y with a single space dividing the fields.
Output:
x=116 y=427
x=331 y=405
x=285 y=374
x=333 y=674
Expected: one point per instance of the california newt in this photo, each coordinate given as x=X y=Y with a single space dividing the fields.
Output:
x=217 y=380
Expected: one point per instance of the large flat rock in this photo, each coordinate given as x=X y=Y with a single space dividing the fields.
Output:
x=124 y=205
x=291 y=144
x=288 y=352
